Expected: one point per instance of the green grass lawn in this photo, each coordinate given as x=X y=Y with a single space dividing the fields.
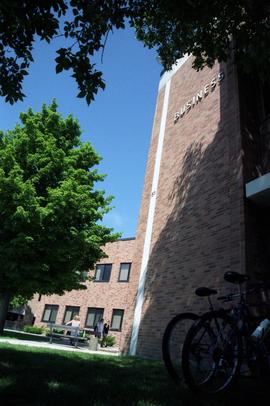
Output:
x=21 y=335
x=32 y=376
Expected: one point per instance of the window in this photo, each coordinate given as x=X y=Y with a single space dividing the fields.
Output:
x=50 y=313
x=94 y=314
x=70 y=312
x=117 y=319
x=103 y=272
x=124 y=272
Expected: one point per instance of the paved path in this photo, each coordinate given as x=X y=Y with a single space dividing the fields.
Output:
x=61 y=347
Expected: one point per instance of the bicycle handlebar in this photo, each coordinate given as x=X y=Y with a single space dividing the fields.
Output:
x=228 y=298
x=231 y=296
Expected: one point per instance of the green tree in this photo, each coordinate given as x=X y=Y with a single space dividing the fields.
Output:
x=205 y=29
x=49 y=208
x=17 y=301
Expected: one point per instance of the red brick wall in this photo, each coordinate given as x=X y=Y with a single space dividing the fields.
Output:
x=108 y=295
x=198 y=231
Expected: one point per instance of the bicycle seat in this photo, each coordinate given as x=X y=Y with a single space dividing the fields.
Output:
x=205 y=292
x=235 y=277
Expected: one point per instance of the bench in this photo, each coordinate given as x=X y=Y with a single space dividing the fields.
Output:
x=73 y=338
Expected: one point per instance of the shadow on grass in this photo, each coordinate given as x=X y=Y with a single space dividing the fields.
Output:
x=44 y=378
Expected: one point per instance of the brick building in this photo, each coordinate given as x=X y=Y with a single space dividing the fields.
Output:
x=107 y=296
x=204 y=208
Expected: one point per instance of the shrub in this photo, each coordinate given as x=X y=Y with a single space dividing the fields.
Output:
x=57 y=331
x=33 y=329
x=109 y=341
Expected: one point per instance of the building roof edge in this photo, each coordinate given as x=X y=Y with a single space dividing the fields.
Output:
x=167 y=75
x=127 y=239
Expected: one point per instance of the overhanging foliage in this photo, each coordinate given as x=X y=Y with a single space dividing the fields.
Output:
x=205 y=29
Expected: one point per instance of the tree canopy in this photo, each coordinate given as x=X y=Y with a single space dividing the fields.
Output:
x=50 y=210
x=205 y=29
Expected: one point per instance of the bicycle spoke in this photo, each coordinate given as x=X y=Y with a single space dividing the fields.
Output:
x=211 y=354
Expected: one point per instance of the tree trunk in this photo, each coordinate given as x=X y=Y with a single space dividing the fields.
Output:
x=4 y=302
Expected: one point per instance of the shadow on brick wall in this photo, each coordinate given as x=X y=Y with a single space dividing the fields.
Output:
x=202 y=237
x=210 y=228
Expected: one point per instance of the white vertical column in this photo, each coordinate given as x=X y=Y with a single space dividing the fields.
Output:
x=149 y=225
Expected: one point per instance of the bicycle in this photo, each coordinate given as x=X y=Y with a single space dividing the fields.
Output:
x=175 y=334
x=219 y=341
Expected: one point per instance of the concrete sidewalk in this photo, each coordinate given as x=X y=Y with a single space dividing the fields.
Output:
x=54 y=346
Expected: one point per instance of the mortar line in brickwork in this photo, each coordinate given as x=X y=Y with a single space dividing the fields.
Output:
x=149 y=225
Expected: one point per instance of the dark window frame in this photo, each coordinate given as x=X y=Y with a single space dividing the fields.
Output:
x=103 y=265
x=88 y=310
x=73 y=312
x=124 y=280
x=51 y=306
x=120 y=328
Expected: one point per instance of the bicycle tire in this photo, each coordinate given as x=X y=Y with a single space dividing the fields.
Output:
x=172 y=343
x=218 y=346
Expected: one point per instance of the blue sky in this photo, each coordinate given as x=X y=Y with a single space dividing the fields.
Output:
x=118 y=123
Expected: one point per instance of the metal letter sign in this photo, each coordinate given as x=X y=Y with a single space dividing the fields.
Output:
x=202 y=94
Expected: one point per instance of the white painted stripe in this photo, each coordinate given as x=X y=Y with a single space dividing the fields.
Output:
x=149 y=226
x=169 y=73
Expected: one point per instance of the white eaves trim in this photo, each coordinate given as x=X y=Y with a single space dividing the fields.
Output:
x=169 y=73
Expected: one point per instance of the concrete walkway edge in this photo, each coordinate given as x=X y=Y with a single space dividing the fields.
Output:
x=54 y=346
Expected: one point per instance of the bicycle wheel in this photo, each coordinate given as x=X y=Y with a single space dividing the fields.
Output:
x=212 y=353
x=172 y=343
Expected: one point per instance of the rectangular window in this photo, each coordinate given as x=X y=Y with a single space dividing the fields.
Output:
x=94 y=314
x=117 y=319
x=103 y=272
x=70 y=312
x=124 y=272
x=50 y=313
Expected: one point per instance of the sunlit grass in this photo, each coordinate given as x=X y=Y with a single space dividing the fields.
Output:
x=6 y=382
x=20 y=335
x=5 y=364
x=54 y=385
